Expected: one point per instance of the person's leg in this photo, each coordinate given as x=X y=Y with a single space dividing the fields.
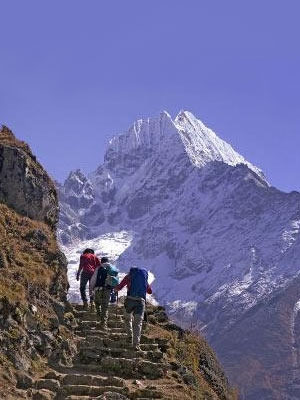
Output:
x=98 y=302
x=104 y=307
x=138 y=317
x=92 y=305
x=83 y=282
x=128 y=319
x=92 y=299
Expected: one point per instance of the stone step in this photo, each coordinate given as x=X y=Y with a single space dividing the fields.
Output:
x=95 y=317
x=99 y=342
x=160 y=396
x=78 y=398
x=148 y=393
x=85 y=390
x=96 y=324
x=50 y=384
x=113 y=335
x=92 y=380
x=74 y=397
x=83 y=328
x=92 y=315
x=123 y=368
x=112 y=309
x=86 y=353
x=97 y=332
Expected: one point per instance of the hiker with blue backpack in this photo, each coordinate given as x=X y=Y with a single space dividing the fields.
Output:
x=103 y=281
x=135 y=303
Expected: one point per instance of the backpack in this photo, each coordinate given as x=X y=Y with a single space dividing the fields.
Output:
x=138 y=282
x=112 y=279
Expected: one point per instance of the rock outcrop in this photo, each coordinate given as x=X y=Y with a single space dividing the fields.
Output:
x=25 y=185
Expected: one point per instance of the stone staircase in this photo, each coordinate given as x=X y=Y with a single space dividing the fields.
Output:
x=106 y=367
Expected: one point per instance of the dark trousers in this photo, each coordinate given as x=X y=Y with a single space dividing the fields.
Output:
x=84 y=279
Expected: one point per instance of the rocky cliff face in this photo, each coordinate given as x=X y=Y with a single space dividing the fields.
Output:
x=25 y=186
x=223 y=244
x=33 y=279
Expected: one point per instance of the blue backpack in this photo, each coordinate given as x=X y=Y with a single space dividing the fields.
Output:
x=138 y=282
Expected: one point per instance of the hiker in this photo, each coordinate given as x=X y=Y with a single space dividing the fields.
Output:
x=87 y=266
x=104 y=280
x=135 y=303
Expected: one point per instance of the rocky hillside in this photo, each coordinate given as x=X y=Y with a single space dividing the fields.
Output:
x=33 y=280
x=222 y=243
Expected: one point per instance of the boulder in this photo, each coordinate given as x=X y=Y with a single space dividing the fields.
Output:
x=49 y=384
x=43 y=394
x=24 y=381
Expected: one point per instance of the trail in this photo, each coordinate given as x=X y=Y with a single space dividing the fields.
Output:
x=107 y=368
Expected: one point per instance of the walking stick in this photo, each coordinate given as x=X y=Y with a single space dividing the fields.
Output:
x=117 y=305
x=145 y=313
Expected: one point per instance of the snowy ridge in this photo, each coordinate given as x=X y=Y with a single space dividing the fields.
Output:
x=203 y=145
x=145 y=133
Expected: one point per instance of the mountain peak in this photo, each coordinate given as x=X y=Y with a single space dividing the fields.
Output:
x=185 y=115
x=76 y=175
x=165 y=114
x=203 y=145
x=162 y=134
x=144 y=133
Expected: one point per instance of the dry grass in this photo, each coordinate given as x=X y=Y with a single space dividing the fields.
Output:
x=191 y=350
x=28 y=268
x=25 y=246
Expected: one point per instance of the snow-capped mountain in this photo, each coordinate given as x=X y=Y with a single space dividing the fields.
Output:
x=223 y=244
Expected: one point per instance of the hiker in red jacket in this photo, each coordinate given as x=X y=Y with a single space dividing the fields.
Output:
x=88 y=263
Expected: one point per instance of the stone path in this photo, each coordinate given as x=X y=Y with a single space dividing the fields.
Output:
x=106 y=367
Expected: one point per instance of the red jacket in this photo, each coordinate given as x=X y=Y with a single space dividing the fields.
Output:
x=126 y=282
x=88 y=263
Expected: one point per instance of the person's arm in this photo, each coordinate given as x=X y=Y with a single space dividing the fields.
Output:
x=80 y=267
x=125 y=282
x=149 y=290
x=97 y=262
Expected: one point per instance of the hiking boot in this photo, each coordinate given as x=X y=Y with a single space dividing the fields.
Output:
x=103 y=326
x=137 y=347
x=85 y=305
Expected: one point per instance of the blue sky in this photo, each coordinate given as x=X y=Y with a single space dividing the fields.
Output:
x=74 y=73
